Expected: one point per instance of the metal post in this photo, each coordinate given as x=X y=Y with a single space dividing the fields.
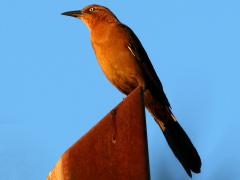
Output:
x=115 y=148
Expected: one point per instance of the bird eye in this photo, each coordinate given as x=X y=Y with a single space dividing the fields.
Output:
x=91 y=9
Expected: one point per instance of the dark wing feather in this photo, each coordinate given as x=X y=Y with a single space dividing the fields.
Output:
x=152 y=81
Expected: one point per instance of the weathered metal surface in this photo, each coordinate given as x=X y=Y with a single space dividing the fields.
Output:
x=115 y=148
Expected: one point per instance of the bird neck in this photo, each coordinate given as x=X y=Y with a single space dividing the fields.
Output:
x=102 y=28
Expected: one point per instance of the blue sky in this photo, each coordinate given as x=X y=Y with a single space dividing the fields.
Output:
x=52 y=90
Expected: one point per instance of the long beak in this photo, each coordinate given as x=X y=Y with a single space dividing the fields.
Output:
x=73 y=13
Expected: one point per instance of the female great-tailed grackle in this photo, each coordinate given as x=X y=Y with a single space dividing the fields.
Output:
x=127 y=65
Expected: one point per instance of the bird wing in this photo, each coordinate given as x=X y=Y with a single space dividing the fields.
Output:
x=152 y=81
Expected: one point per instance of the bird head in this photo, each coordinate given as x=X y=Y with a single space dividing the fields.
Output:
x=92 y=15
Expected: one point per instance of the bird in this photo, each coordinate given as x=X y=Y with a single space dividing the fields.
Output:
x=127 y=66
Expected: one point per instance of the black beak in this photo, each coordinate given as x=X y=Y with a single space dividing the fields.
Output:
x=73 y=13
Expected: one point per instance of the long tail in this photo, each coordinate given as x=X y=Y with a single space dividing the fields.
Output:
x=178 y=140
x=181 y=146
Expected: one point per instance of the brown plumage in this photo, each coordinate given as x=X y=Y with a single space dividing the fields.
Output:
x=127 y=66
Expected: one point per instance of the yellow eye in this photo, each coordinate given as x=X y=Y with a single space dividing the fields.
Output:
x=91 y=9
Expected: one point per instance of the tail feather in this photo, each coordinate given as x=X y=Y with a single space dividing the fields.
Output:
x=176 y=137
x=181 y=146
